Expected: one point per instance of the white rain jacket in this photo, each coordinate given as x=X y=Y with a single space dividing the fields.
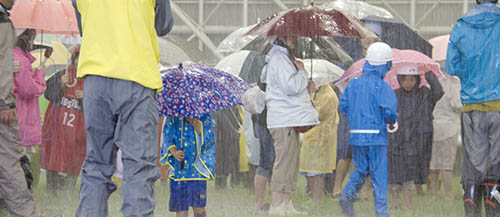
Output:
x=288 y=103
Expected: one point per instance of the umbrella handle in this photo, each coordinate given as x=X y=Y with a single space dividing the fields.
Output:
x=40 y=66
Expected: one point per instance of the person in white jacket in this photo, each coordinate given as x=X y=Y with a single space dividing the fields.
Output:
x=447 y=128
x=288 y=107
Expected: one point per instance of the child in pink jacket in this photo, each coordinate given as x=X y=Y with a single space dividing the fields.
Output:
x=29 y=84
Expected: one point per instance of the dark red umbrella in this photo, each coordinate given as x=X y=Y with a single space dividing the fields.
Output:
x=311 y=21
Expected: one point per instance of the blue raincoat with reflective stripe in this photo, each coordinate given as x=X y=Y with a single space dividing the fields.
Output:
x=369 y=103
x=474 y=54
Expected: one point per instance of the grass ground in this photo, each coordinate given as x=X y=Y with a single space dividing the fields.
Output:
x=238 y=202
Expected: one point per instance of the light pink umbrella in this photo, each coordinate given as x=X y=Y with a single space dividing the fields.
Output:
x=440 y=46
x=400 y=56
x=46 y=16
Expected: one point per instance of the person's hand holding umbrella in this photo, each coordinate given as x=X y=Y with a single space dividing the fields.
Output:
x=179 y=156
x=15 y=66
x=299 y=65
x=48 y=52
x=423 y=68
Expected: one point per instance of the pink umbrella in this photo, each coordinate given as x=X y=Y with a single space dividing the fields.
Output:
x=440 y=46
x=46 y=16
x=400 y=56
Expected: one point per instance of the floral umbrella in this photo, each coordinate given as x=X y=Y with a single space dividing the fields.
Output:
x=194 y=90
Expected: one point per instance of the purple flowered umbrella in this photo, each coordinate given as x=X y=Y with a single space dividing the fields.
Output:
x=193 y=90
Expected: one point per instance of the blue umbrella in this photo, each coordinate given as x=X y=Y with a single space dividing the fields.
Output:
x=194 y=90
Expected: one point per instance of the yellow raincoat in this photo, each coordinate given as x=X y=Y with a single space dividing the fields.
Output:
x=319 y=145
x=243 y=162
x=119 y=41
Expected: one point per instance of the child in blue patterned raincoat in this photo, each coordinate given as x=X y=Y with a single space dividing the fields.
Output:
x=188 y=148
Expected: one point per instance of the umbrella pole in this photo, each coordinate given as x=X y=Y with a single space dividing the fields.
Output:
x=40 y=61
x=311 y=50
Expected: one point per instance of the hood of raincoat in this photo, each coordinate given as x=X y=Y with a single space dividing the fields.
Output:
x=287 y=100
x=378 y=71
x=484 y=8
x=473 y=54
x=369 y=103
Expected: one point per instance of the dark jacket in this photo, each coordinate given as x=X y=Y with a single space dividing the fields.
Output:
x=415 y=107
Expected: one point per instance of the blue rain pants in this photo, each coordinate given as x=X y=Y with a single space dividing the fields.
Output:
x=370 y=160
x=121 y=113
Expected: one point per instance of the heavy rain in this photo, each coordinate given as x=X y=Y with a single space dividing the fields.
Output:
x=244 y=108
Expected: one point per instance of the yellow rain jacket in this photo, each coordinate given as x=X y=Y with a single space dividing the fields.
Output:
x=243 y=162
x=319 y=145
x=119 y=41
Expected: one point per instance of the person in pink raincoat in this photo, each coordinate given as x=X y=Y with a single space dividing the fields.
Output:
x=29 y=84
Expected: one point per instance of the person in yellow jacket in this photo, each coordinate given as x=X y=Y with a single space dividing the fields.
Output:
x=319 y=145
x=119 y=64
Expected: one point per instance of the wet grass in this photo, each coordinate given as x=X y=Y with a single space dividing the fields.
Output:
x=239 y=202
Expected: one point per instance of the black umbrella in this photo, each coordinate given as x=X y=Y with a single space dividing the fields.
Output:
x=391 y=31
x=398 y=35
x=252 y=67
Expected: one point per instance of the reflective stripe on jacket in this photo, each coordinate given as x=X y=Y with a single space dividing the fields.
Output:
x=369 y=103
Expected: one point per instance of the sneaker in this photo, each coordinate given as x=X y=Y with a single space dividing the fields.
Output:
x=278 y=211
x=347 y=206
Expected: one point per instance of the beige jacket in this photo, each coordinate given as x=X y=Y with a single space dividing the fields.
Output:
x=7 y=42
